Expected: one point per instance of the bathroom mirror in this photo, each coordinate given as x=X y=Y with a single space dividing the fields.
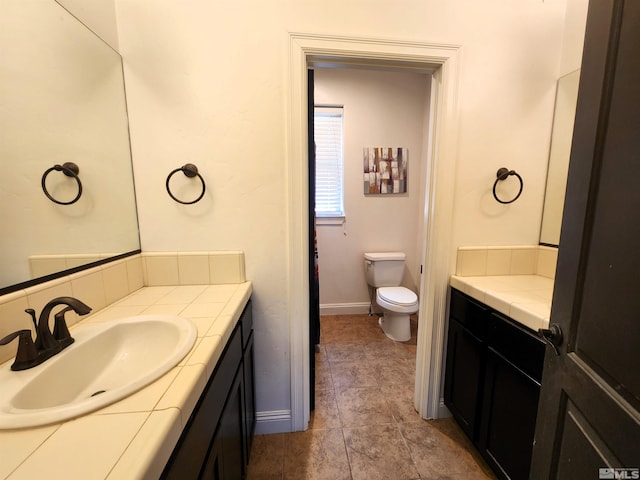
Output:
x=559 y=153
x=61 y=100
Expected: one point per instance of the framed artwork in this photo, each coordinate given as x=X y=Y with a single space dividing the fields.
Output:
x=385 y=170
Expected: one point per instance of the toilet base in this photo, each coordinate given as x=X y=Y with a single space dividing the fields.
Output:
x=396 y=327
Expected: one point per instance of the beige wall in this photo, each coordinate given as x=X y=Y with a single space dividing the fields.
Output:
x=206 y=84
x=573 y=38
x=384 y=109
x=98 y=15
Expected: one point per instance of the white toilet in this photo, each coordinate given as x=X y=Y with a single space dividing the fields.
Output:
x=384 y=273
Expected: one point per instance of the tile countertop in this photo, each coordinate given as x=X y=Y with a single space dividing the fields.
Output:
x=524 y=298
x=133 y=438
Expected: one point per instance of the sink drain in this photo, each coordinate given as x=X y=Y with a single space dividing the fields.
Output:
x=98 y=393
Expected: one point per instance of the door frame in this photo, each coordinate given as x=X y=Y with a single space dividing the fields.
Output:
x=437 y=254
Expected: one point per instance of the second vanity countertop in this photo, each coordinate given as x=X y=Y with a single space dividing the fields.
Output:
x=133 y=438
x=524 y=298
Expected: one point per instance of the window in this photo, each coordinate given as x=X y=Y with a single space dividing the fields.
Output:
x=328 y=136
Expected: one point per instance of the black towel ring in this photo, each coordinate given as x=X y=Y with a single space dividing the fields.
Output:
x=70 y=169
x=503 y=174
x=190 y=171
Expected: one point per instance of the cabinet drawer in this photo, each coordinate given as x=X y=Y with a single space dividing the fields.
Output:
x=469 y=313
x=517 y=344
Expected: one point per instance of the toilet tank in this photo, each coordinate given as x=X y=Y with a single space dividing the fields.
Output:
x=384 y=269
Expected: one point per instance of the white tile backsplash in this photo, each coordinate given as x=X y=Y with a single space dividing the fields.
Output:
x=547 y=260
x=507 y=260
x=116 y=282
x=171 y=268
x=498 y=261
x=523 y=261
x=226 y=267
x=41 y=265
x=193 y=268
x=135 y=273
x=37 y=298
x=474 y=261
x=90 y=289
x=161 y=268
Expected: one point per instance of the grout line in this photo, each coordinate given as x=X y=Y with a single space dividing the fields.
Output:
x=346 y=452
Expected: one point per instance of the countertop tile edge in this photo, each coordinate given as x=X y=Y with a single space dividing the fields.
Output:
x=533 y=315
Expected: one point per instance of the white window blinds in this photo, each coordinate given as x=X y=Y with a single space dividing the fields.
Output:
x=328 y=135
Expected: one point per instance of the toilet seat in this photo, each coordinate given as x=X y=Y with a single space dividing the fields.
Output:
x=397 y=295
x=397 y=299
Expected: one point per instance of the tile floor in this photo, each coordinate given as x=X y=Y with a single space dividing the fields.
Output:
x=364 y=426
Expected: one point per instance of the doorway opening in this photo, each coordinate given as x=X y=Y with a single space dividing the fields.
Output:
x=436 y=252
x=358 y=111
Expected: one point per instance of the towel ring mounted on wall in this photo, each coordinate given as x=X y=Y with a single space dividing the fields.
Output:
x=503 y=174
x=190 y=171
x=70 y=169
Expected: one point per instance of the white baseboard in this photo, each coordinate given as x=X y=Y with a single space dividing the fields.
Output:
x=344 y=308
x=275 y=421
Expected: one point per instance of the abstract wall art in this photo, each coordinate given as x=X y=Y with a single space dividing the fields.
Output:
x=385 y=170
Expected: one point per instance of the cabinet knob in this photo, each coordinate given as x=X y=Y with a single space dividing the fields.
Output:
x=552 y=336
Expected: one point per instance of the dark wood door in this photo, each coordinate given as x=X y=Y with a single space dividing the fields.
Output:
x=589 y=414
x=314 y=286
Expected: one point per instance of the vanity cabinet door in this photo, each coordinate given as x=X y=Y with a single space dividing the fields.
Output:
x=466 y=351
x=249 y=397
x=231 y=433
x=511 y=392
x=213 y=467
x=464 y=374
x=225 y=458
x=510 y=407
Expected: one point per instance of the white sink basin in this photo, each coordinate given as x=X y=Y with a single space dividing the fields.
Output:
x=107 y=363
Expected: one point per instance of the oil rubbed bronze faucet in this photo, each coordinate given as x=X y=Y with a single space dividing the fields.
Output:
x=47 y=343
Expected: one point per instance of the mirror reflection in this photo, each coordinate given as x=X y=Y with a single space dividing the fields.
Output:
x=559 y=153
x=61 y=100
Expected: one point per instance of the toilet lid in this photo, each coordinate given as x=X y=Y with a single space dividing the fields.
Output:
x=397 y=295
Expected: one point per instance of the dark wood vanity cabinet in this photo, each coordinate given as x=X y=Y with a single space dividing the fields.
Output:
x=492 y=383
x=216 y=441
